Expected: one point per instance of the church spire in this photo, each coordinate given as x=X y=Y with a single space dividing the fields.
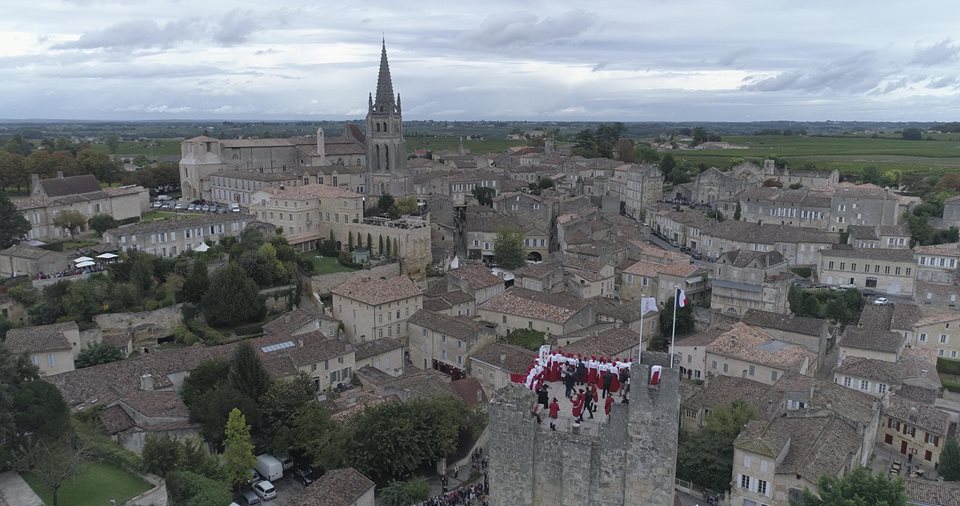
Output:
x=384 y=99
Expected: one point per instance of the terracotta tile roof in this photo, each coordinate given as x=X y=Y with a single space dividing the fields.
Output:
x=743 y=258
x=912 y=370
x=29 y=252
x=375 y=347
x=353 y=403
x=478 y=275
x=252 y=175
x=885 y=341
x=818 y=445
x=123 y=190
x=70 y=185
x=823 y=395
x=787 y=323
x=927 y=417
x=880 y=254
x=337 y=487
x=615 y=342
x=539 y=270
x=923 y=492
x=377 y=291
x=934 y=317
x=947 y=250
x=436 y=304
x=750 y=344
x=40 y=338
x=470 y=391
x=653 y=269
x=626 y=311
x=702 y=338
x=515 y=359
x=291 y=321
x=311 y=191
x=454 y=326
x=157 y=403
x=115 y=420
x=558 y=307
x=723 y=390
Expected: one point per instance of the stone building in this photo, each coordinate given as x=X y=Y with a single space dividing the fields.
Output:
x=745 y=280
x=380 y=150
x=51 y=348
x=888 y=271
x=495 y=363
x=24 y=260
x=589 y=278
x=915 y=430
x=938 y=263
x=170 y=238
x=748 y=352
x=643 y=186
x=951 y=211
x=814 y=334
x=481 y=235
x=376 y=308
x=475 y=280
x=554 y=314
x=878 y=236
x=629 y=461
x=338 y=487
x=50 y=197
x=444 y=342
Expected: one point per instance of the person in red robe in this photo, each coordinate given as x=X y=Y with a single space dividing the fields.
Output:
x=606 y=404
x=554 y=413
x=578 y=402
x=593 y=392
x=615 y=381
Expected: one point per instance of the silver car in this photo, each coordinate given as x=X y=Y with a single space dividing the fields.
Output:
x=265 y=490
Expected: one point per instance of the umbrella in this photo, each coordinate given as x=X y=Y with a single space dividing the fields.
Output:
x=107 y=256
x=86 y=264
x=82 y=259
x=202 y=247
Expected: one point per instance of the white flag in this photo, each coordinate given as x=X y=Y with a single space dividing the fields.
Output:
x=648 y=304
x=681 y=298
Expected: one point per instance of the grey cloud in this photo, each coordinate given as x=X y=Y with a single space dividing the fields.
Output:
x=136 y=34
x=943 y=82
x=942 y=52
x=857 y=73
x=513 y=29
x=235 y=27
x=600 y=66
x=732 y=57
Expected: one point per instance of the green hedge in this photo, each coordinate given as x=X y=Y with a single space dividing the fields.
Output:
x=948 y=366
x=952 y=385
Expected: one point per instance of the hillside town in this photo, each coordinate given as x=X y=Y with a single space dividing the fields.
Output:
x=326 y=320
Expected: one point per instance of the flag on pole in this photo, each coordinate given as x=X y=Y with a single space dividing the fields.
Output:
x=681 y=298
x=647 y=304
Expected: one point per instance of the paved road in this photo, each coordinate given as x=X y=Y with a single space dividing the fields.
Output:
x=16 y=491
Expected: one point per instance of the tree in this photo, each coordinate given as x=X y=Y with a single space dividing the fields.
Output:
x=407 y=205
x=380 y=245
x=69 y=220
x=247 y=373
x=96 y=354
x=238 y=456
x=736 y=212
x=625 y=151
x=196 y=283
x=191 y=489
x=911 y=134
x=102 y=222
x=871 y=175
x=141 y=273
x=667 y=164
x=857 y=488
x=53 y=462
x=484 y=195
x=646 y=154
x=706 y=458
x=113 y=143
x=729 y=420
x=13 y=226
x=40 y=411
x=205 y=377
x=12 y=171
x=161 y=454
x=950 y=460
x=402 y=493
x=685 y=324
x=508 y=249
x=100 y=165
x=283 y=400
x=232 y=297
x=772 y=183
x=314 y=433
x=385 y=202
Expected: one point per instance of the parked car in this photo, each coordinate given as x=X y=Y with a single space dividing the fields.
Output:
x=684 y=249
x=205 y=208
x=248 y=498
x=234 y=207
x=180 y=206
x=304 y=474
x=265 y=490
x=880 y=301
x=156 y=204
x=167 y=205
x=269 y=467
x=192 y=207
x=696 y=255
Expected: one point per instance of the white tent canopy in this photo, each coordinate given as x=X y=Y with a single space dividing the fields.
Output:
x=202 y=247
x=86 y=264
x=107 y=256
x=82 y=259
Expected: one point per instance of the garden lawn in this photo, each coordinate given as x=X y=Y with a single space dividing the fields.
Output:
x=156 y=215
x=324 y=265
x=95 y=485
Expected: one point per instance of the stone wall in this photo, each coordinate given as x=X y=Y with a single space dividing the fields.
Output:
x=632 y=461
x=156 y=496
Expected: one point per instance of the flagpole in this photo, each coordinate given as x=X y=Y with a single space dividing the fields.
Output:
x=673 y=333
x=640 y=348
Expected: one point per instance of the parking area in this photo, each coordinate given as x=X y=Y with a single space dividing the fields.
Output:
x=192 y=206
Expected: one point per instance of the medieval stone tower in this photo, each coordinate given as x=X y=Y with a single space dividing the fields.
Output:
x=386 y=149
x=631 y=460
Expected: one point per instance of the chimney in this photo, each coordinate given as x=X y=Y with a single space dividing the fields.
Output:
x=286 y=318
x=503 y=358
x=300 y=342
x=146 y=382
x=34 y=182
x=59 y=174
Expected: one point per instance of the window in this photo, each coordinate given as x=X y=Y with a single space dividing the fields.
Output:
x=51 y=360
x=752 y=370
x=943 y=339
x=725 y=368
x=762 y=487
x=773 y=375
x=847 y=381
x=744 y=481
x=881 y=388
x=923 y=338
x=714 y=364
x=864 y=385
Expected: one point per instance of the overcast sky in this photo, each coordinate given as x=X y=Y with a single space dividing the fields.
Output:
x=629 y=60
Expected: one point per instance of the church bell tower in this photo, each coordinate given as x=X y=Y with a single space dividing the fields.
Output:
x=386 y=149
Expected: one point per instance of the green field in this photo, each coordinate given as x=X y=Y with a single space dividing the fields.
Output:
x=146 y=148
x=156 y=215
x=453 y=144
x=95 y=485
x=846 y=154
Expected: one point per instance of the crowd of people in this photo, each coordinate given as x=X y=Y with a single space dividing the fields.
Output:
x=471 y=495
x=74 y=271
x=684 y=202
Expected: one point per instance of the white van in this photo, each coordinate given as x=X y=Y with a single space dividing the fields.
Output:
x=234 y=207
x=269 y=467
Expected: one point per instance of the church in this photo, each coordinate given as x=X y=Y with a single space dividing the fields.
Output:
x=370 y=162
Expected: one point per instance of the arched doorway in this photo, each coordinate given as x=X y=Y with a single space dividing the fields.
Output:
x=535 y=256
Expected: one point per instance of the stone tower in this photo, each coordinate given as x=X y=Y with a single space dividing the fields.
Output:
x=321 y=147
x=630 y=460
x=386 y=149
